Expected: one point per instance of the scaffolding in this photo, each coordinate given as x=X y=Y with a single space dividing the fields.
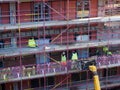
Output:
x=45 y=21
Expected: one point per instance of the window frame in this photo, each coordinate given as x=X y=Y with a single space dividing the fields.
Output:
x=83 y=12
x=40 y=9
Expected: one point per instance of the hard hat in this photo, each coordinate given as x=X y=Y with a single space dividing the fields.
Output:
x=63 y=53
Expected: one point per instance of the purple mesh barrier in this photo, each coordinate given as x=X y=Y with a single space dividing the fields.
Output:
x=15 y=72
x=69 y=65
x=40 y=69
x=108 y=60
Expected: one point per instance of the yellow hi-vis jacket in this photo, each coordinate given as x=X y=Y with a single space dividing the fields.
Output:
x=74 y=56
x=109 y=53
x=105 y=49
x=63 y=58
x=31 y=43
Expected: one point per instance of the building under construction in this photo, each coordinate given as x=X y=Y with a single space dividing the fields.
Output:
x=86 y=27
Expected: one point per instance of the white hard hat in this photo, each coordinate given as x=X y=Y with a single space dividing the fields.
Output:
x=63 y=52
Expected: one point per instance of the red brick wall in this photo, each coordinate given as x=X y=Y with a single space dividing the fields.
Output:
x=25 y=12
x=9 y=62
x=71 y=8
x=9 y=86
x=58 y=11
x=62 y=78
x=24 y=41
x=63 y=38
x=118 y=70
x=94 y=8
x=7 y=42
x=64 y=9
x=29 y=60
x=15 y=61
x=25 y=84
x=93 y=35
x=56 y=55
x=5 y=13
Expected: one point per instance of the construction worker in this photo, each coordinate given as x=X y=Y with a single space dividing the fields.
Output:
x=63 y=59
x=109 y=53
x=105 y=50
x=74 y=59
x=31 y=42
x=74 y=56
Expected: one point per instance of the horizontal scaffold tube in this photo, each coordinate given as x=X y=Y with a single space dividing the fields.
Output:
x=60 y=23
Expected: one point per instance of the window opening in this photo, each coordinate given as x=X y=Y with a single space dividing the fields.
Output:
x=82 y=9
x=41 y=12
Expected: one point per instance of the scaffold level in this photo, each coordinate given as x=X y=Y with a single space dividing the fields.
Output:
x=29 y=25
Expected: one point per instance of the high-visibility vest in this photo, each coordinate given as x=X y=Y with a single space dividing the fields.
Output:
x=74 y=56
x=109 y=53
x=105 y=49
x=63 y=58
x=31 y=43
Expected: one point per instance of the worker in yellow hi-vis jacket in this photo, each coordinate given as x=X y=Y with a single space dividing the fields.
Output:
x=74 y=60
x=105 y=50
x=31 y=42
x=63 y=59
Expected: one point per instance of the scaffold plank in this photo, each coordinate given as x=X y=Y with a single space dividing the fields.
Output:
x=6 y=52
x=59 y=23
